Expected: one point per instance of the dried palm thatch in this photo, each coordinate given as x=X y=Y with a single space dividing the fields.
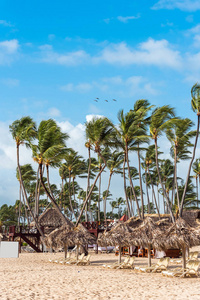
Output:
x=146 y=235
x=50 y=218
x=52 y=240
x=117 y=236
x=77 y=236
x=180 y=235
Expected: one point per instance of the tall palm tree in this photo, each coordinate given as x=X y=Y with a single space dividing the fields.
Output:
x=179 y=135
x=196 y=170
x=114 y=165
x=128 y=134
x=141 y=109
x=195 y=102
x=72 y=161
x=161 y=119
x=24 y=132
x=100 y=132
x=50 y=151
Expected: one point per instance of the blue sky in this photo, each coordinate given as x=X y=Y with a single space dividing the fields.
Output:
x=56 y=57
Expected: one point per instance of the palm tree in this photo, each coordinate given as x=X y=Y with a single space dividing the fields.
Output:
x=128 y=135
x=141 y=109
x=196 y=170
x=195 y=102
x=50 y=151
x=114 y=165
x=161 y=119
x=179 y=135
x=99 y=131
x=23 y=132
x=72 y=162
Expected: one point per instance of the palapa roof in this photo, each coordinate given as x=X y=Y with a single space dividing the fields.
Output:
x=51 y=218
x=70 y=236
x=147 y=232
x=192 y=217
x=77 y=236
x=51 y=239
x=179 y=235
x=118 y=235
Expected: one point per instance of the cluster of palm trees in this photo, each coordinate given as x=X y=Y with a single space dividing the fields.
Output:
x=138 y=130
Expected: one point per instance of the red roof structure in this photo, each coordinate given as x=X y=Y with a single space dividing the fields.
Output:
x=124 y=218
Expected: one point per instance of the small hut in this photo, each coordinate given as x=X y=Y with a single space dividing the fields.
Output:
x=50 y=220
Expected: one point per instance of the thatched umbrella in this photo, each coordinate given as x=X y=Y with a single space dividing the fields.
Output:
x=52 y=240
x=180 y=235
x=78 y=236
x=117 y=236
x=146 y=234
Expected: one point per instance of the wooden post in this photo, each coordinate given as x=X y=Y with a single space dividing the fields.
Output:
x=119 y=260
x=149 y=255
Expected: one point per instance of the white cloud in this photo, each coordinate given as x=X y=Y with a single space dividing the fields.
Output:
x=51 y=37
x=185 y=5
x=116 y=85
x=10 y=82
x=107 y=21
x=54 y=112
x=5 y=23
x=67 y=59
x=126 y=19
x=152 y=52
x=190 y=18
x=81 y=87
x=8 y=50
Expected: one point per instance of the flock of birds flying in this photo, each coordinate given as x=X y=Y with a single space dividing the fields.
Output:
x=97 y=100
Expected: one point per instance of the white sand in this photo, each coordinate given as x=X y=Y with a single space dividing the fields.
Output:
x=31 y=276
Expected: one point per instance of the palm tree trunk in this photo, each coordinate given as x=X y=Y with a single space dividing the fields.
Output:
x=131 y=183
x=25 y=195
x=197 y=189
x=70 y=198
x=88 y=181
x=164 y=191
x=175 y=177
x=147 y=191
x=190 y=166
x=140 y=179
x=127 y=203
x=153 y=192
x=20 y=204
x=99 y=215
x=89 y=194
x=107 y=195
x=51 y=197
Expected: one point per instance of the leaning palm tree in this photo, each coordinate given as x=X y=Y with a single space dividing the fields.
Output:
x=100 y=132
x=24 y=132
x=161 y=119
x=195 y=102
x=50 y=151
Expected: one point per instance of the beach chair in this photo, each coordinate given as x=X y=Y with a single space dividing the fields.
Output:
x=116 y=265
x=127 y=265
x=192 y=269
x=68 y=257
x=161 y=265
x=74 y=260
x=192 y=256
x=84 y=261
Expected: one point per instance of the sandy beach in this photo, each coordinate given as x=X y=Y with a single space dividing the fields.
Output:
x=32 y=276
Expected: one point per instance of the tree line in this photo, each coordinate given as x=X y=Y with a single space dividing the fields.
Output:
x=109 y=147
